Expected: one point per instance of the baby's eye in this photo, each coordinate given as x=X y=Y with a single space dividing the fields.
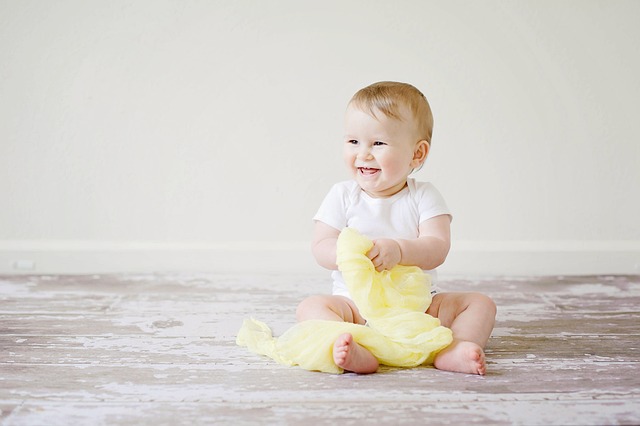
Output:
x=352 y=142
x=378 y=143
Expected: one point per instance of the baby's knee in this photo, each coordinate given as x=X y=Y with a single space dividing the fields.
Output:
x=308 y=307
x=484 y=302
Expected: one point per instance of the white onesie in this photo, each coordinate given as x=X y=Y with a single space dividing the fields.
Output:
x=396 y=217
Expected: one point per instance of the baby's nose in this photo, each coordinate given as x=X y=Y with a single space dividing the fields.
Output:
x=364 y=153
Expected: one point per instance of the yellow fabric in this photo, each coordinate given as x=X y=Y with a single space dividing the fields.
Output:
x=398 y=332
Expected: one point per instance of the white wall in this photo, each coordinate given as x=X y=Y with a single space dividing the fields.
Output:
x=202 y=135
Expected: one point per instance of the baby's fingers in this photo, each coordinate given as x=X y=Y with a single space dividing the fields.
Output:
x=378 y=264
x=373 y=253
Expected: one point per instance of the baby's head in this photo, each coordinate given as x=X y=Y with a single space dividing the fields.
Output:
x=399 y=101
x=388 y=129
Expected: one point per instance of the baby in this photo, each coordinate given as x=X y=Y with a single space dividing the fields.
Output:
x=388 y=129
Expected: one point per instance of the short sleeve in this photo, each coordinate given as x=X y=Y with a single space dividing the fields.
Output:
x=431 y=203
x=333 y=210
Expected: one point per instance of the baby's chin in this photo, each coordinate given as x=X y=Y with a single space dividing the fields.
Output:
x=377 y=192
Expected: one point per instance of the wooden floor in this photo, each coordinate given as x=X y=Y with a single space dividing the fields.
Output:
x=159 y=349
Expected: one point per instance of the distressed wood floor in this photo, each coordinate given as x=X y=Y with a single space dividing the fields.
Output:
x=159 y=349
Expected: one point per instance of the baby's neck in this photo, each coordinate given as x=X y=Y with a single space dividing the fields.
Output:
x=378 y=195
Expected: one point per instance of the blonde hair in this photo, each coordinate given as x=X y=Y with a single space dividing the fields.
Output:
x=389 y=97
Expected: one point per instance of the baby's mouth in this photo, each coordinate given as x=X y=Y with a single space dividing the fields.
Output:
x=367 y=171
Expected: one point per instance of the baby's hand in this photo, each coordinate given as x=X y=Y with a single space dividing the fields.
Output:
x=385 y=254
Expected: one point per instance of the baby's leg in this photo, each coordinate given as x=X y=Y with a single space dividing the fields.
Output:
x=347 y=353
x=331 y=308
x=471 y=317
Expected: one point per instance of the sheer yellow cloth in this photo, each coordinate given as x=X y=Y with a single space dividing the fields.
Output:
x=398 y=332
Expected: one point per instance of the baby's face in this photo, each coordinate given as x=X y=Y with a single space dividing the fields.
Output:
x=379 y=151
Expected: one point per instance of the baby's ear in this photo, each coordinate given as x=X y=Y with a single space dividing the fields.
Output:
x=420 y=153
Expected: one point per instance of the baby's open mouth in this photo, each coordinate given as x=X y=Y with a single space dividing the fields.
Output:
x=367 y=170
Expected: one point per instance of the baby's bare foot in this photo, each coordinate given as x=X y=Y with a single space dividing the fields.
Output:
x=462 y=357
x=351 y=356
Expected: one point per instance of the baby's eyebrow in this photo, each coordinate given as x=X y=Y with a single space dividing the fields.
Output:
x=374 y=138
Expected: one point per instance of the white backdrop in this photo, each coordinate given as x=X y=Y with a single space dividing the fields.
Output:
x=202 y=135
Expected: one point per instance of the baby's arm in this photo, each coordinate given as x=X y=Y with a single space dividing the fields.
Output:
x=428 y=251
x=324 y=244
x=431 y=248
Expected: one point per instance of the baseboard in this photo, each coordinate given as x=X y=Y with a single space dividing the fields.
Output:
x=466 y=258
x=80 y=257
x=543 y=258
